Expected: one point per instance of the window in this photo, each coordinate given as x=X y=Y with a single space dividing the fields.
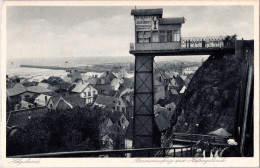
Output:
x=162 y=36
x=123 y=109
x=118 y=108
x=147 y=36
x=85 y=94
x=169 y=36
x=143 y=37
x=89 y=93
x=140 y=37
x=155 y=36
x=119 y=103
x=176 y=35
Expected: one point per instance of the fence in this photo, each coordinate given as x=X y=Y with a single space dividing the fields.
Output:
x=146 y=152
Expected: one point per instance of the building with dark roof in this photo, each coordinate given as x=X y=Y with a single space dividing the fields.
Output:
x=103 y=101
x=21 y=118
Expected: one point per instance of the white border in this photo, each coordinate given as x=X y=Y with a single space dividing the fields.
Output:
x=131 y=162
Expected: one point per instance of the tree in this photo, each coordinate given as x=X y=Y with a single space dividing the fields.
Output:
x=68 y=130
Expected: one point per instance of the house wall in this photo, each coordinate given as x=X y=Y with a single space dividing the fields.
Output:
x=89 y=97
x=120 y=105
x=121 y=74
x=159 y=93
x=171 y=106
x=28 y=94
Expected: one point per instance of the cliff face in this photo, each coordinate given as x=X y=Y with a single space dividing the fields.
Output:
x=210 y=100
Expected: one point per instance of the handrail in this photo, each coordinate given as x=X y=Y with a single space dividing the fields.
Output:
x=120 y=152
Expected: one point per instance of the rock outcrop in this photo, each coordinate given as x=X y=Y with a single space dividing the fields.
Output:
x=209 y=102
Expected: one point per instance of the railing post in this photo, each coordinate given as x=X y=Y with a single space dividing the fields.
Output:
x=181 y=152
x=164 y=153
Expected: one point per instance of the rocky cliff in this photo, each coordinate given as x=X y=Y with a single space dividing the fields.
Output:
x=210 y=100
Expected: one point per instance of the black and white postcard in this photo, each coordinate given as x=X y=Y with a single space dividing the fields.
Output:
x=130 y=84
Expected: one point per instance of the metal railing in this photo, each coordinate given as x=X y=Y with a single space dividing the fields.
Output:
x=206 y=42
x=144 y=152
x=215 y=140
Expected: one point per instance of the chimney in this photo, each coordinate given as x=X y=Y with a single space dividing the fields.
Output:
x=45 y=100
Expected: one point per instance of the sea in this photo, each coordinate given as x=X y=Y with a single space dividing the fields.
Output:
x=14 y=69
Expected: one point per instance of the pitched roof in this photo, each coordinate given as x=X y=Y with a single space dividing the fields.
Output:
x=103 y=88
x=105 y=100
x=147 y=12
x=166 y=114
x=41 y=99
x=45 y=85
x=179 y=81
x=115 y=81
x=183 y=77
x=80 y=87
x=21 y=118
x=93 y=80
x=174 y=92
x=177 y=20
x=75 y=100
x=16 y=90
x=117 y=69
x=161 y=122
x=183 y=89
x=55 y=99
x=38 y=89
x=128 y=99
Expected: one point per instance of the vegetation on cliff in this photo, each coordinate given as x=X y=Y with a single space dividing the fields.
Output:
x=210 y=100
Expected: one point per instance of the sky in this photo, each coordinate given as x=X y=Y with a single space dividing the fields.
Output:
x=84 y=31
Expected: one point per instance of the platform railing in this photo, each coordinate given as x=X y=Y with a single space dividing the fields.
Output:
x=145 y=152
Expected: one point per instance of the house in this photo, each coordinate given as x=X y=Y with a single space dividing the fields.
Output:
x=174 y=91
x=105 y=125
x=104 y=89
x=13 y=94
x=108 y=75
x=188 y=79
x=21 y=118
x=47 y=86
x=189 y=70
x=127 y=84
x=107 y=143
x=34 y=91
x=115 y=84
x=86 y=91
x=125 y=104
x=73 y=76
x=168 y=104
x=161 y=76
x=23 y=81
x=65 y=102
x=176 y=82
x=42 y=100
x=183 y=77
x=52 y=101
x=119 y=72
x=161 y=122
x=23 y=105
x=104 y=101
x=159 y=91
